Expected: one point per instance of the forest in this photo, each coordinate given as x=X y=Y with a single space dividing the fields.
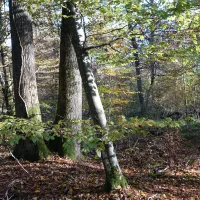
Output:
x=99 y=99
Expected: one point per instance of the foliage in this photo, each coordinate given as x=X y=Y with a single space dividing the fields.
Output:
x=91 y=137
x=13 y=129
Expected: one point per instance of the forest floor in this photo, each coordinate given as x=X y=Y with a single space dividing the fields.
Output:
x=156 y=167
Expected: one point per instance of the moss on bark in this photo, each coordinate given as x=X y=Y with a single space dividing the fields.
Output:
x=42 y=149
x=27 y=150
x=114 y=181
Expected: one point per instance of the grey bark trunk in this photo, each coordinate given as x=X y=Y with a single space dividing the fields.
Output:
x=114 y=176
x=24 y=78
x=69 y=107
x=25 y=88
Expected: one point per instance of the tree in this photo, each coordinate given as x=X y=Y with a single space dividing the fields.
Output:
x=69 y=106
x=4 y=76
x=139 y=78
x=25 y=88
x=114 y=176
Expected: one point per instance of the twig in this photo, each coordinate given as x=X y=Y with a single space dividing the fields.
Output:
x=136 y=143
x=6 y=197
x=152 y=196
x=114 y=49
x=17 y=161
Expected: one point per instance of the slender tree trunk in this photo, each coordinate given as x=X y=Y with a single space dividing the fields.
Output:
x=139 y=78
x=69 y=107
x=24 y=78
x=114 y=176
x=185 y=95
x=6 y=89
x=152 y=76
x=152 y=80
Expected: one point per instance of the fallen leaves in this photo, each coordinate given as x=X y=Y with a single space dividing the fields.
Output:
x=64 y=179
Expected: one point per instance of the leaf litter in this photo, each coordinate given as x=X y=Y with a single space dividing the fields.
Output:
x=143 y=161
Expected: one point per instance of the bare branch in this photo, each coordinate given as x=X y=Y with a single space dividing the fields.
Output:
x=101 y=45
x=117 y=29
x=114 y=49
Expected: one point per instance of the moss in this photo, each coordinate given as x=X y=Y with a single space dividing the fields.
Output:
x=35 y=112
x=43 y=150
x=114 y=181
x=27 y=150
x=70 y=153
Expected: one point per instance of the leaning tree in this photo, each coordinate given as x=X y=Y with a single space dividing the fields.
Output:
x=114 y=176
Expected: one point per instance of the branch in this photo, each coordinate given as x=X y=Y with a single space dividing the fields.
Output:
x=114 y=49
x=17 y=161
x=117 y=29
x=101 y=45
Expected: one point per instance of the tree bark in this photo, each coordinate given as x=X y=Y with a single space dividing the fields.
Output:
x=69 y=106
x=24 y=78
x=139 y=78
x=114 y=176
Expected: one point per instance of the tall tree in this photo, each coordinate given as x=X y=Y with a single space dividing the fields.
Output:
x=114 y=176
x=25 y=88
x=69 y=107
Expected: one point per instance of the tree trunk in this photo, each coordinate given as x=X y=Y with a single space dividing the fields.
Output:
x=69 y=107
x=150 y=89
x=152 y=77
x=139 y=78
x=24 y=79
x=6 y=89
x=114 y=176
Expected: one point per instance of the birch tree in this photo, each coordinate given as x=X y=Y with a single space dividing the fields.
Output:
x=114 y=176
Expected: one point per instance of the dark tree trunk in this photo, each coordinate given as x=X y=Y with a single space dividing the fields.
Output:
x=24 y=79
x=69 y=107
x=139 y=78
x=114 y=176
